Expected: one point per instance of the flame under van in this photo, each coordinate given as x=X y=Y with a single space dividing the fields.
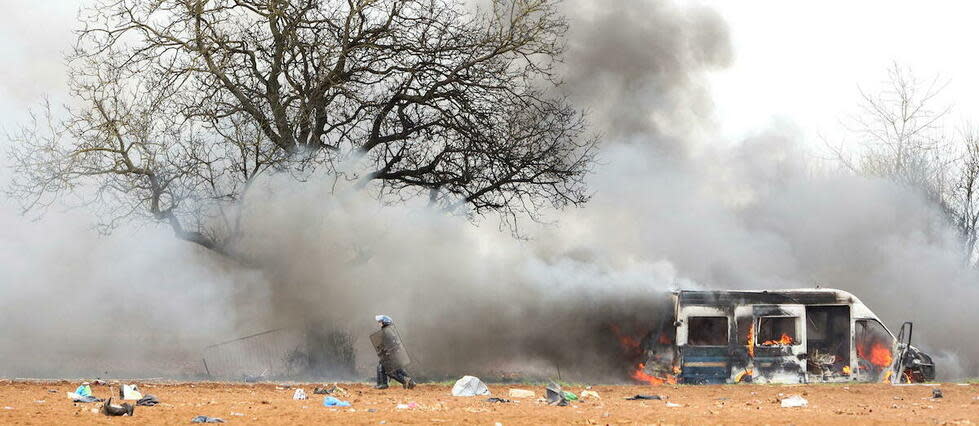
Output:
x=780 y=336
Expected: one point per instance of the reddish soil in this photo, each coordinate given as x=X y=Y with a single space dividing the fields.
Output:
x=34 y=403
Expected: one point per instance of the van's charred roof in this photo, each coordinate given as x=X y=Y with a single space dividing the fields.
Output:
x=808 y=296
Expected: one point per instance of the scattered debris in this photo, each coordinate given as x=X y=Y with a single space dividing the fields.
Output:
x=148 y=401
x=495 y=399
x=130 y=392
x=206 y=419
x=673 y=404
x=84 y=389
x=555 y=396
x=300 y=394
x=570 y=396
x=330 y=401
x=585 y=394
x=794 y=401
x=936 y=393
x=401 y=406
x=110 y=409
x=74 y=397
x=332 y=389
x=469 y=386
x=641 y=397
x=521 y=393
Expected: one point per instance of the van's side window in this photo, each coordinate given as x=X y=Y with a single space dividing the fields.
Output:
x=707 y=331
x=777 y=331
x=874 y=345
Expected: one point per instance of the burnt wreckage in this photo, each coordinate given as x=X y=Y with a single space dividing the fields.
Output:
x=778 y=336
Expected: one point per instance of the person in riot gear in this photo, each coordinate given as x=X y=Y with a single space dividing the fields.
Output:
x=391 y=355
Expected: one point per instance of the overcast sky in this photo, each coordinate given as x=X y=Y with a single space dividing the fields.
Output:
x=803 y=61
x=795 y=62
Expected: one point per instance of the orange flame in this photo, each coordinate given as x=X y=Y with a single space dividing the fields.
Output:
x=887 y=376
x=880 y=355
x=640 y=375
x=846 y=370
x=783 y=341
x=627 y=342
x=751 y=342
x=632 y=347
x=737 y=379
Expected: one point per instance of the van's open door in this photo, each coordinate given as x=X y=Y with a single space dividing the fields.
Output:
x=703 y=336
x=779 y=343
x=901 y=346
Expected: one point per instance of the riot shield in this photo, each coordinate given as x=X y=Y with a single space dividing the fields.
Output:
x=390 y=350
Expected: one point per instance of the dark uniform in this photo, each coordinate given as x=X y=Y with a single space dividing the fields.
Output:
x=388 y=346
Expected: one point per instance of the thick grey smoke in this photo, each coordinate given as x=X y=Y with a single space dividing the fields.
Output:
x=638 y=66
x=673 y=207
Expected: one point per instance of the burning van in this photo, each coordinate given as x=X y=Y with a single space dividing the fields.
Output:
x=778 y=336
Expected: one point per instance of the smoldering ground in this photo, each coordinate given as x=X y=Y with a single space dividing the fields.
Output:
x=673 y=207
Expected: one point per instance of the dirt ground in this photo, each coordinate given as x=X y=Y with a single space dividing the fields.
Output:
x=36 y=403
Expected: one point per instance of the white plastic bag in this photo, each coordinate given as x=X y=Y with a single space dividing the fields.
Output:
x=299 y=394
x=794 y=401
x=470 y=386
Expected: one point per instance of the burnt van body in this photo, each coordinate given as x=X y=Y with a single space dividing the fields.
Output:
x=781 y=336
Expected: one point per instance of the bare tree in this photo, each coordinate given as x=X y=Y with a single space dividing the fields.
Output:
x=899 y=131
x=179 y=105
x=901 y=138
x=964 y=199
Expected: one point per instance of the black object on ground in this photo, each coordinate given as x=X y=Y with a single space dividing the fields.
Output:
x=148 y=401
x=206 y=419
x=125 y=409
x=936 y=393
x=555 y=396
x=639 y=397
x=495 y=399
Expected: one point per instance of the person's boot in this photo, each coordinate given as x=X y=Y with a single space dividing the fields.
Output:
x=382 y=378
x=409 y=383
